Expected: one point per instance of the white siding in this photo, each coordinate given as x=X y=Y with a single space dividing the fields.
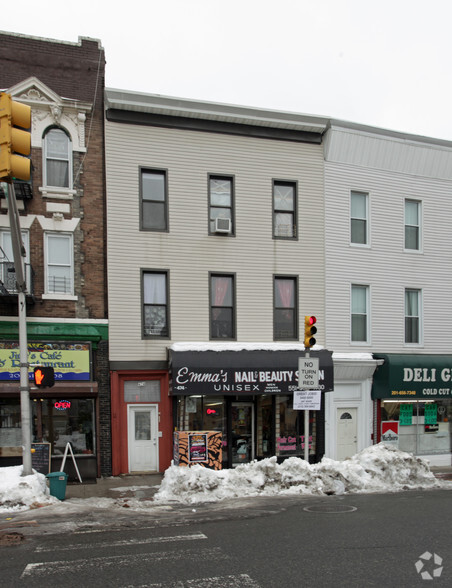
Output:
x=188 y=252
x=385 y=266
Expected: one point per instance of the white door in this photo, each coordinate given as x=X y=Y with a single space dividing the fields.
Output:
x=347 y=432
x=143 y=438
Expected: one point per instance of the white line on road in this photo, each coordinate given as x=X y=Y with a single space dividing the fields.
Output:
x=123 y=542
x=240 y=581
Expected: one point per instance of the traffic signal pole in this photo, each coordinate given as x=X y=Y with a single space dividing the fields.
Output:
x=19 y=267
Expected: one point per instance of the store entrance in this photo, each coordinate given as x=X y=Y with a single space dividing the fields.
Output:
x=242 y=432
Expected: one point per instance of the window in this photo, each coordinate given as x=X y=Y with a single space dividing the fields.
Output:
x=58 y=159
x=154 y=200
x=284 y=209
x=155 y=304
x=412 y=316
x=285 y=311
x=59 y=263
x=221 y=205
x=7 y=271
x=360 y=314
x=412 y=225
x=359 y=218
x=222 y=307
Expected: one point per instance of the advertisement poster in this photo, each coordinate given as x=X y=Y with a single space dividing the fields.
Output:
x=390 y=432
x=197 y=447
x=431 y=414
x=406 y=414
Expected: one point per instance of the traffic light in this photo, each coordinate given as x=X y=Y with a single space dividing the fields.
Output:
x=44 y=377
x=14 y=140
x=309 y=331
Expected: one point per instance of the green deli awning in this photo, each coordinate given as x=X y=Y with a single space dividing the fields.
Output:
x=402 y=377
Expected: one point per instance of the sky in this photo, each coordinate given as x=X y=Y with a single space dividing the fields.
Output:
x=385 y=63
x=378 y=468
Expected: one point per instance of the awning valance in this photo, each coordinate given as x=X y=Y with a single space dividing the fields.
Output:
x=243 y=372
x=417 y=376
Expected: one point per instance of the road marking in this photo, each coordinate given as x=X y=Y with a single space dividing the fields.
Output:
x=123 y=542
x=240 y=581
x=47 y=568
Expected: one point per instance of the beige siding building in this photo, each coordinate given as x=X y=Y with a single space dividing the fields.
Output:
x=215 y=237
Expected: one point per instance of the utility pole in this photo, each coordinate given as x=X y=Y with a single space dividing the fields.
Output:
x=19 y=254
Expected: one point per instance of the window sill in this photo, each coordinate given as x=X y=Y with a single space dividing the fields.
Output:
x=60 y=193
x=59 y=297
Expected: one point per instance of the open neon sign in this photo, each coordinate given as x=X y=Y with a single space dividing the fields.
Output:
x=62 y=404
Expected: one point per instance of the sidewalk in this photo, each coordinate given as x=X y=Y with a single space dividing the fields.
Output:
x=142 y=486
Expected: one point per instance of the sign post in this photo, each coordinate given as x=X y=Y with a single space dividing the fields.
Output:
x=308 y=379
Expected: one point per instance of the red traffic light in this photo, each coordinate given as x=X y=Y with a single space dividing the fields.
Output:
x=44 y=377
x=311 y=320
x=309 y=331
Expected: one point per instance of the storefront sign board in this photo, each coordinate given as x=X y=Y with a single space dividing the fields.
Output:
x=244 y=372
x=71 y=361
x=40 y=457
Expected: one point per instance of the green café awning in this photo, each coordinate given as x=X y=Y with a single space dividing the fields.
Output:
x=415 y=376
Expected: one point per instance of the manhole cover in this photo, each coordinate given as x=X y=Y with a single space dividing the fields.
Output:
x=330 y=508
x=11 y=538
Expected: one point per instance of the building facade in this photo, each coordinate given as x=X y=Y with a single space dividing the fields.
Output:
x=62 y=219
x=388 y=249
x=215 y=254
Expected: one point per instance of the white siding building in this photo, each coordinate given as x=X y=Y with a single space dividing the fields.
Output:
x=215 y=237
x=388 y=244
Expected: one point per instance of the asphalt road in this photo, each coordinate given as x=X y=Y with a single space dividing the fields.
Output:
x=391 y=540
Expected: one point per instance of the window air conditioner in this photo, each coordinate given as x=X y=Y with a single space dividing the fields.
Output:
x=222 y=225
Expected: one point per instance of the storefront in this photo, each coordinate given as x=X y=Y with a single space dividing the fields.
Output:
x=247 y=395
x=66 y=413
x=413 y=396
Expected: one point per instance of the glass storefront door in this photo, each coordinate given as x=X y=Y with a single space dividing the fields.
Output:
x=242 y=431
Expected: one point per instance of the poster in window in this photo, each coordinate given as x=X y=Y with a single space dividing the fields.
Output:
x=406 y=414
x=431 y=414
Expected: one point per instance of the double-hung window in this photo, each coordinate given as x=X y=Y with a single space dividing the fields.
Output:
x=285 y=321
x=154 y=200
x=57 y=159
x=155 y=304
x=222 y=306
x=412 y=316
x=59 y=263
x=221 y=205
x=284 y=209
x=359 y=218
x=360 y=314
x=412 y=225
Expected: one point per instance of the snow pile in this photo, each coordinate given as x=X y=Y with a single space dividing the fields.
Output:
x=19 y=492
x=379 y=468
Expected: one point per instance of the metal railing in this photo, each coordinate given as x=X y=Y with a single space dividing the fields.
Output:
x=8 y=285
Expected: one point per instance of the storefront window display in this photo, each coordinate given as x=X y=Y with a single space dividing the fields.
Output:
x=424 y=427
x=10 y=419
x=60 y=422
x=290 y=434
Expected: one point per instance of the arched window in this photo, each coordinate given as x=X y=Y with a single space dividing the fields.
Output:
x=57 y=159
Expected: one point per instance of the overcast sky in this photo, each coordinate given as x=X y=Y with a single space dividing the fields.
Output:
x=385 y=63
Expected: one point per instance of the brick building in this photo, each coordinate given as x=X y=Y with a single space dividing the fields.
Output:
x=62 y=217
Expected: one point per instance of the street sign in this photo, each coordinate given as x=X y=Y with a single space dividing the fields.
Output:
x=307 y=399
x=308 y=373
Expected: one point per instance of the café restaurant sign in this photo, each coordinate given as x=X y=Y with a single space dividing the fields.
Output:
x=413 y=376
x=243 y=372
x=71 y=361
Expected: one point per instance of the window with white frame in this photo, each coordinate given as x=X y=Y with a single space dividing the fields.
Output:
x=359 y=314
x=57 y=159
x=412 y=225
x=412 y=316
x=59 y=263
x=359 y=218
x=155 y=304
x=7 y=269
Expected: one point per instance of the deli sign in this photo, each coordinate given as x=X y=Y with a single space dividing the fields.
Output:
x=243 y=372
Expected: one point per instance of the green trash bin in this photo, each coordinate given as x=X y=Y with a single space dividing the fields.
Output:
x=57 y=484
